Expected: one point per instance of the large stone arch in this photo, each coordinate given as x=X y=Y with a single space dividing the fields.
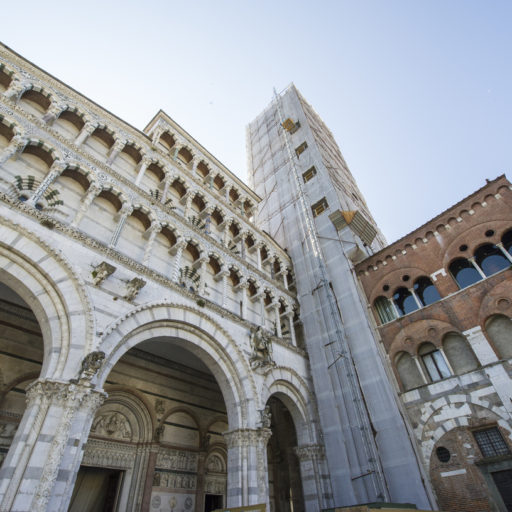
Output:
x=55 y=293
x=291 y=389
x=202 y=336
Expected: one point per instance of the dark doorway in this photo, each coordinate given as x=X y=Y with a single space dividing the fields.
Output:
x=503 y=481
x=96 y=490
x=212 y=502
x=285 y=485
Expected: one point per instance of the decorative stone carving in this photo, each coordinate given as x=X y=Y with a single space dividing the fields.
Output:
x=173 y=480
x=133 y=287
x=214 y=464
x=101 y=272
x=91 y=364
x=114 y=425
x=159 y=406
x=265 y=417
x=176 y=460
x=261 y=357
x=109 y=454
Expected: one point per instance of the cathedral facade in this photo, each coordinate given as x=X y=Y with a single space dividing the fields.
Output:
x=174 y=340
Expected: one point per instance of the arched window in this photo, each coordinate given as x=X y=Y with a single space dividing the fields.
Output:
x=459 y=353
x=499 y=329
x=434 y=362
x=506 y=240
x=425 y=291
x=408 y=371
x=384 y=309
x=404 y=301
x=490 y=259
x=464 y=272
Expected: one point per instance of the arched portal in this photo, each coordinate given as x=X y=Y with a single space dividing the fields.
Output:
x=285 y=485
x=196 y=385
x=158 y=438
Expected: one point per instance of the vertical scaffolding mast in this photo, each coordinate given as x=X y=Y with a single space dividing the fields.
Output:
x=342 y=366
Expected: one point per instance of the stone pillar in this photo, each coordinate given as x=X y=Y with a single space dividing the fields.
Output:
x=54 y=110
x=121 y=216
x=150 y=474
x=477 y=268
x=279 y=333
x=313 y=472
x=504 y=251
x=244 y=285
x=285 y=278
x=180 y=245
x=86 y=131
x=55 y=171
x=201 y=459
x=15 y=147
x=201 y=262
x=150 y=235
x=290 y=315
x=16 y=88
x=168 y=179
x=92 y=192
x=262 y=310
x=481 y=347
x=224 y=274
x=40 y=469
x=115 y=150
x=258 y=256
x=247 y=467
x=420 y=370
x=142 y=169
x=418 y=302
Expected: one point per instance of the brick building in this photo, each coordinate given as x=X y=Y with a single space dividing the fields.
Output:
x=441 y=299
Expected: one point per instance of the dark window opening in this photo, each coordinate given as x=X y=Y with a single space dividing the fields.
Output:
x=464 y=272
x=491 y=442
x=490 y=259
x=300 y=149
x=319 y=207
x=309 y=174
x=443 y=454
x=404 y=301
x=425 y=291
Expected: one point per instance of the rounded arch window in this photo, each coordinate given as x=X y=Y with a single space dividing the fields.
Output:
x=464 y=272
x=499 y=330
x=434 y=362
x=506 y=240
x=404 y=301
x=425 y=291
x=384 y=309
x=490 y=259
x=443 y=454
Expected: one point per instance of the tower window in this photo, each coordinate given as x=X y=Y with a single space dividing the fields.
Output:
x=300 y=149
x=309 y=174
x=491 y=442
x=319 y=207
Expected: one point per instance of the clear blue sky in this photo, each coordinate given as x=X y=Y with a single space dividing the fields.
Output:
x=417 y=94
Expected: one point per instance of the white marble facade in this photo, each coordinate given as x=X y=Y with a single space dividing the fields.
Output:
x=147 y=321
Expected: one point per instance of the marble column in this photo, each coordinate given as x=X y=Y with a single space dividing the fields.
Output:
x=247 y=466
x=39 y=471
x=15 y=147
x=314 y=476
